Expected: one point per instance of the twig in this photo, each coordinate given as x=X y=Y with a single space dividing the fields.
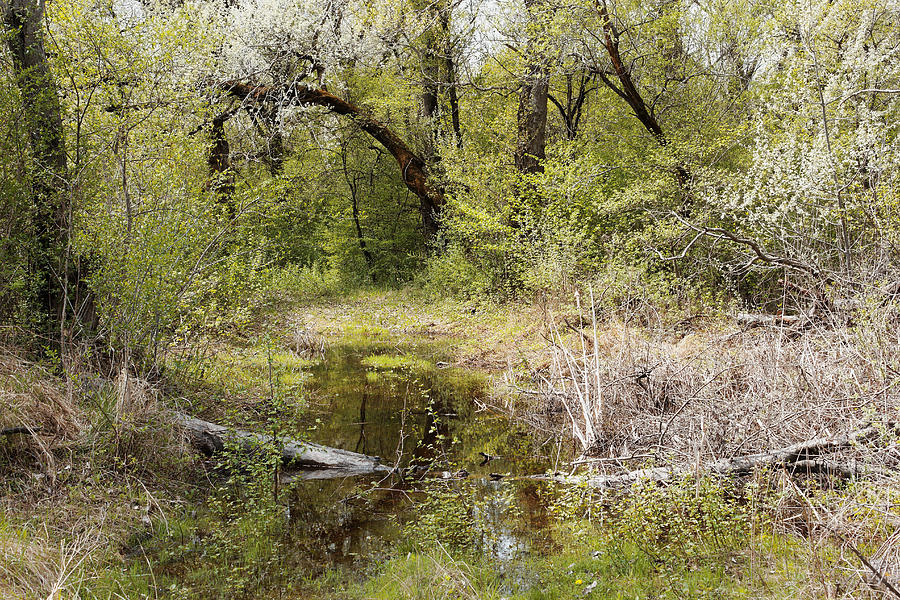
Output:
x=20 y=429
x=867 y=91
x=882 y=578
x=583 y=461
x=761 y=254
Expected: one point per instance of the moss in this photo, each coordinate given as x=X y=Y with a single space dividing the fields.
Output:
x=401 y=361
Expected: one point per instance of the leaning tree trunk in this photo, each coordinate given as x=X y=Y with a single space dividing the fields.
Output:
x=628 y=91
x=42 y=117
x=412 y=167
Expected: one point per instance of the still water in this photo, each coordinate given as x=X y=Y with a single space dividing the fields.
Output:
x=407 y=404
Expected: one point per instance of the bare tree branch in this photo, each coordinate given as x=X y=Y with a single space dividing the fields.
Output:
x=754 y=245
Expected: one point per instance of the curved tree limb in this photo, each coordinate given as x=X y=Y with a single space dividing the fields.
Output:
x=754 y=245
x=867 y=91
x=413 y=168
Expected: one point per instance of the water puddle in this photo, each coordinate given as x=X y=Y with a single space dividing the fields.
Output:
x=405 y=403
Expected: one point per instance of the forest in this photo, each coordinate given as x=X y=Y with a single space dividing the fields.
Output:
x=449 y=299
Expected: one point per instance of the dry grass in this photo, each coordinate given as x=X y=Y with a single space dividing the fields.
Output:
x=141 y=436
x=32 y=398
x=33 y=566
x=100 y=459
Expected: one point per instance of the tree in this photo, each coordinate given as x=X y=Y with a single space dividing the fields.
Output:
x=439 y=76
x=818 y=183
x=52 y=260
x=531 y=118
x=221 y=173
x=626 y=88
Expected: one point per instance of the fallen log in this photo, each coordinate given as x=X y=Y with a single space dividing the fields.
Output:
x=796 y=458
x=750 y=321
x=210 y=438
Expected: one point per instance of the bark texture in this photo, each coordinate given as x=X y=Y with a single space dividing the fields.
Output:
x=531 y=119
x=221 y=175
x=439 y=74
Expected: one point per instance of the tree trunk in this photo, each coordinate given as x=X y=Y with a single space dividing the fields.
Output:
x=221 y=175
x=275 y=141
x=628 y=91
x=412 y=166
x=431 y=85
x=453 y=97
x=353 y=185
x=43 y=120
x=531 y=120
x=439 y=72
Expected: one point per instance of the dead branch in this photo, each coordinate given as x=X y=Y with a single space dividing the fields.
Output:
x=750 y=320
x=754 y=245
x=881 y=578
x=797 y=457
x=16 y=430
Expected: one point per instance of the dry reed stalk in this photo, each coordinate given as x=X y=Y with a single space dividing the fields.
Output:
x=34 y=566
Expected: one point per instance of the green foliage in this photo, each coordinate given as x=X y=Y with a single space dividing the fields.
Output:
x=779 y=123
x=688 y=540
x=18 y=246
x=446 y=517
x=685 y=521
x=431 y=576
x=238 y=548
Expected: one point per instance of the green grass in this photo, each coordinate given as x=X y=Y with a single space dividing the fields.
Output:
x=224 y=540
x=605 y=568
x=242 y=371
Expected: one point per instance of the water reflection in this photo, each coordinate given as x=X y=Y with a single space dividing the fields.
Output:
x=393 y=401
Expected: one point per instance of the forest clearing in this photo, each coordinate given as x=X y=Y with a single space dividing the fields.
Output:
x=433 y=299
